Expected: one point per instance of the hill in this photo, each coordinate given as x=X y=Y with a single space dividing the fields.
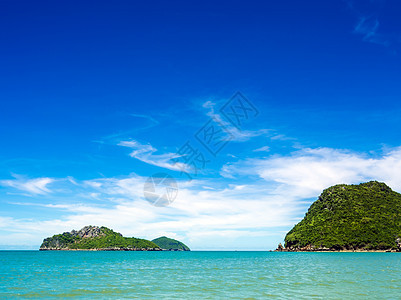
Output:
x=364 y=217
x=96 y=238
x=170 y=244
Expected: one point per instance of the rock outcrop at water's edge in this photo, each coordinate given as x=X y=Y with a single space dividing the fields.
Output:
x=349 y=218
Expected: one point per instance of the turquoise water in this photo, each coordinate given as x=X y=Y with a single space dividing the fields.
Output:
x=199 y=275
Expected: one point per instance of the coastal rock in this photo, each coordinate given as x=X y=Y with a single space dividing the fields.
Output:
x=280 y=248
x=398 y=242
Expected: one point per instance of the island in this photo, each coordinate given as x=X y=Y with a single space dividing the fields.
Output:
x=97 y=238
x=359 y=218
x=170 y=244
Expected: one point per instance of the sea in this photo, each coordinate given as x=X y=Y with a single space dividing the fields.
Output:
x=198 y=275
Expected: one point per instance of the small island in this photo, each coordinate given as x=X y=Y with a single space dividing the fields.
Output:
x=170 y=244
x=96 y=238
x=359 y=218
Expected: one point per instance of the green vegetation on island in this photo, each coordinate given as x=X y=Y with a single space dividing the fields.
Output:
x=364 y=217
x=170 y=244
x=96 y=238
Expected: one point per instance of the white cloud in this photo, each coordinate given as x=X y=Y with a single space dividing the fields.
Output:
x=309 y=171
x=258 y=210
x=367 y=27
x=234 y=133
x=281 y=137
x=145 y=153
x=194 y=216
x=32 y=186
x=368 y=24
x=262 y=149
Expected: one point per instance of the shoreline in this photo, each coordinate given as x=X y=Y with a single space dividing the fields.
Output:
x=103 y=249
x=111 y=249
x=344 y=251
x=311 y=248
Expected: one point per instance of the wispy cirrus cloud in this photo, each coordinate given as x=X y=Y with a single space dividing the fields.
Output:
x=139 y=122
x=368 y=27
x=371 y=22
x=146 y=154
x=234 y=133
x=36 y=186
x=262 y=149
x=153 y=121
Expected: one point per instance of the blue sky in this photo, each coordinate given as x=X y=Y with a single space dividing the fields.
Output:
x=95 y=97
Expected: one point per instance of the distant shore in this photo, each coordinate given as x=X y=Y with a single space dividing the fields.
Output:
x=311 y=248
x=109 y=249
x=329 y=251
